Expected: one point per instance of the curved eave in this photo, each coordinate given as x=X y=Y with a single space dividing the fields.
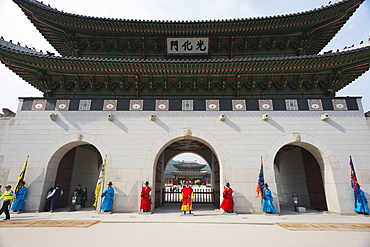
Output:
x=189 y=173
x=58 y=27
x=348 y=65
x=187 y=166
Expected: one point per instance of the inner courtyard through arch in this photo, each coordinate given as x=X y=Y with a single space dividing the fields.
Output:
x=193 y=153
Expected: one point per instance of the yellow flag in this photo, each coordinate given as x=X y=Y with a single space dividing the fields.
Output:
x=21 y=175
x=100 y=182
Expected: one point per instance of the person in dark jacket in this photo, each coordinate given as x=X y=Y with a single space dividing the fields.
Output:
x=84 y=197
x=48 y=200
x=55 y=198
x=78 y=194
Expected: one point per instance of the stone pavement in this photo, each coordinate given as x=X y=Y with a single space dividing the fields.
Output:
x=167 y=226
x=171 y=213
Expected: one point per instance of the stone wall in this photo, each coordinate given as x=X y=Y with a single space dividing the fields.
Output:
x=133 y=143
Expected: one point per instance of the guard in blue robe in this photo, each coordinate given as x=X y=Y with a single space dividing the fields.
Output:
x=361 y=203
x=108 y=195
x=20 y=198
x=267 y=206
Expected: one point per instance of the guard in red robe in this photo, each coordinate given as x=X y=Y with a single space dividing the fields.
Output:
x=187 y=196
x=228 y=203
x=146 y=203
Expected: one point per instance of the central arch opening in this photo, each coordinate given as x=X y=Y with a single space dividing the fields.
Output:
x=187 y=160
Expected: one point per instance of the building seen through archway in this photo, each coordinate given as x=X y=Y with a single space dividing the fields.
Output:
x=206 y=181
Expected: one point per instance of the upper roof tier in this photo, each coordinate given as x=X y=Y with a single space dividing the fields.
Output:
x=300 y=33
x=309 y=75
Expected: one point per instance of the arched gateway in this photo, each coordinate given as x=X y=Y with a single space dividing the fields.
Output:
x=297 y=171
x=75 y=163
x=187 y=145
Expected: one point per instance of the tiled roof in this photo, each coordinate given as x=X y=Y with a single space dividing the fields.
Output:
x=58 y=26
x=346 y=66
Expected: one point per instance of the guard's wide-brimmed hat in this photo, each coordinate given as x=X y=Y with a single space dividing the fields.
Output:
x=8 y=186
x=23 y=182
x=146 y=182
x=110 y=183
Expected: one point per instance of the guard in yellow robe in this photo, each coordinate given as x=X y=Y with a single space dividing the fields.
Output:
x=187 y=197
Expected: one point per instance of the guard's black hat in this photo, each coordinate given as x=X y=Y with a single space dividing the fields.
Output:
x=23 y=182
x=8 y=186
x=110 y=183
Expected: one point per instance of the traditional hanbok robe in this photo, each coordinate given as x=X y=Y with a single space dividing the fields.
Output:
x=20 y=197
x=267 y=202
x=145 y=198
x=108 y=195
x=187 y=196
x=361 y=203
x=227 y=203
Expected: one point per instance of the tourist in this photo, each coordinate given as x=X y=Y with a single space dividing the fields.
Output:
x=84 y=197
x=20 y=198
x=267 y=206
x=55 y=198
x=78 y=191
x=361 y=206
x=187 y=196
x=48 y=200
x=146 y=203
x=7 y=197
x=108 y=195
x=228 y=203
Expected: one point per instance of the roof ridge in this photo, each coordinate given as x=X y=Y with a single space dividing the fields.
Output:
x=48 y=7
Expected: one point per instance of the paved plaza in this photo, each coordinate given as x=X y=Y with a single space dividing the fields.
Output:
x=167 y=227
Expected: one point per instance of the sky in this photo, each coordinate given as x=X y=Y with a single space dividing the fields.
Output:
x=16 y=27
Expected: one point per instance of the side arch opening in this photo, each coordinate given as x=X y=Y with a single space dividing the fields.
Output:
x=298 y=171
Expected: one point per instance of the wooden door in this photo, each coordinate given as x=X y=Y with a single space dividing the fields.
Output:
x=64 y=176
x=314 y=181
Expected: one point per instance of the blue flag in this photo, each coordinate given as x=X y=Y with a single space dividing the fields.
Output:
x=354 y=182
x=261 y=181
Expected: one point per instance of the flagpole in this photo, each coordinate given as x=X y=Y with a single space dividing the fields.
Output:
x=21 y=175
x=103 y=181
x=100 y=185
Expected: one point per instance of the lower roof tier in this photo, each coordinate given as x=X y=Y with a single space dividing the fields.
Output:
x=313 y=75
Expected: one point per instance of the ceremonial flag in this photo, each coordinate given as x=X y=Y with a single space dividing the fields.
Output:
x=21 y=175
x=100 y=182
x=354 y=183
x=261 y=181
